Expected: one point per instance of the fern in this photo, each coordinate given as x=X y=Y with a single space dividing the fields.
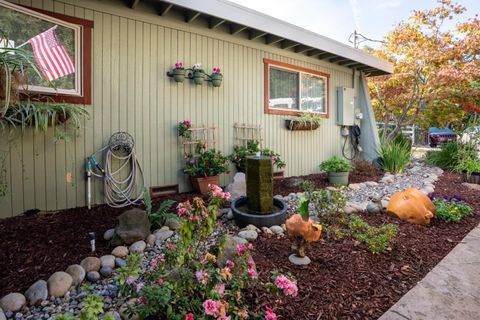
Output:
x=160 y=217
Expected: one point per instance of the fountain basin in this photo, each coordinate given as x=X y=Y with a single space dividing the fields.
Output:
x=243 y=217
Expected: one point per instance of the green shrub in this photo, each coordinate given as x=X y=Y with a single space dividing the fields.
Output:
x=468 y=165
x=447 y=157
x=377 y=239
x=452 y=210
x=92 y=310
x=395 y=154
x=335 y=164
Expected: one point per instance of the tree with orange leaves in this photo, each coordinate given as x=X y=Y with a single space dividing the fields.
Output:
x=436 y=68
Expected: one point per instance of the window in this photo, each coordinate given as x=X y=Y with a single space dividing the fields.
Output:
x=291 y=90
x=72 y=83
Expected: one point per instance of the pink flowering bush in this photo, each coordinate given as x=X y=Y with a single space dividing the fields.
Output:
x=187 y=281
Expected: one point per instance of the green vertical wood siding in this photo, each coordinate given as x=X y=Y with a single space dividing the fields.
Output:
x=131 y=52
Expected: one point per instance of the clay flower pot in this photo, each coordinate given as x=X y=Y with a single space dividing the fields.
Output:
x=200 y=185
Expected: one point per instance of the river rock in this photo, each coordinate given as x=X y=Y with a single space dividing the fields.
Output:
x=77 y=273
x=59 y=283
x=108 y=261
x=355 y=186
x=472 y=186
x=230 y=214
x=277 y=230
x=119 y=262
x=93 y=276
x=120 y=252
x=151 y=240
x=2 y=315
x=91 y=264
x=374 y=208
x=266 y=230
x=37 y=292
x=133 y=226
x=108 y=235
x=252 y=227
x=138 y=246
x=173 y=223
x=106 y=271
x=12 y=302
x=163 y=235
x=249 y=235
x=239 y=240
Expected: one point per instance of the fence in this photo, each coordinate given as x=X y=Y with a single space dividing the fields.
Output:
x=418 y=135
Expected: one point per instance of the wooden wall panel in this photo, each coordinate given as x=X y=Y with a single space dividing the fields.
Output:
x=132 y=51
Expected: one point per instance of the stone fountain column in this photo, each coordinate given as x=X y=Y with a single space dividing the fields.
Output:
x=259 y=178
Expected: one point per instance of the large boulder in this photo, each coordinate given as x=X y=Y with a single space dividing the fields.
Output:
x=238 y=187
x=133 y=226
x=37 y=292
x=12 y=302
x=59 y=283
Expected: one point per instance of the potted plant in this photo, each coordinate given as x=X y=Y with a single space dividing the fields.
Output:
x=198 y=74
x=470 y=168
x=240 y=154
x=337 y=170
x=216 y=77
x=183 y=129
x=205 y=168
x=305 y=121
x=178 y=72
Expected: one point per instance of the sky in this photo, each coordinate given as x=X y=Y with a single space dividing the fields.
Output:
x=337 y=19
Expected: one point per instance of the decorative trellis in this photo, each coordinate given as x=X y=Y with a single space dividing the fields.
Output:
x=247 y=132
x=202 y=135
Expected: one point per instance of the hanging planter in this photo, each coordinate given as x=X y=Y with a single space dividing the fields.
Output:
x=197 y=74
x=178 y=73
x=306 y=121
x=295 y=125
x=216 y=77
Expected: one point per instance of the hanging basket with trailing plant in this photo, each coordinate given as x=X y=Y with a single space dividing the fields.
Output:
x=306 y=121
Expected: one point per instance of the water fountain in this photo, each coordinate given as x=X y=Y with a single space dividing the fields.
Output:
x=259 y=207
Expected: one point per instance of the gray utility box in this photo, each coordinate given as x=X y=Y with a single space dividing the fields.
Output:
x=345 y=106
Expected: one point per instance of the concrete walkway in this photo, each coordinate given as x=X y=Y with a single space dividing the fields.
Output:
x=450 y=291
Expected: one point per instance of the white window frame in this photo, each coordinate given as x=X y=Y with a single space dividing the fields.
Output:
x=78 y=58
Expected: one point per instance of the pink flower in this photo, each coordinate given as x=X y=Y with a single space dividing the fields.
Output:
x=187 y=123
x=252 y=273
x=160 y=281
x=282 y=282
x=240 y=249
x=269 y=314
x=192 y=161
x=230 y=264
x=189 y=316
x=210 y=307
x=274 y=158
x=220 y=289
x=178 y=64
x=291 y=290
x=251 y=263
x=250 y=246
x=130 y=280
x=140 y=286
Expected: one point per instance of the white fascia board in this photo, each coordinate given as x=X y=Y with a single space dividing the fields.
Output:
x=244 y=16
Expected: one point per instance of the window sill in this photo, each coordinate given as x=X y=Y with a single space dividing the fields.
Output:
x=286 y=112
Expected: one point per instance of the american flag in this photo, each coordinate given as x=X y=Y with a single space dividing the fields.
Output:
x=51 y=55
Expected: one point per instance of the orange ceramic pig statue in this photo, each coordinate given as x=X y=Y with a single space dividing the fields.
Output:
x=411 y=205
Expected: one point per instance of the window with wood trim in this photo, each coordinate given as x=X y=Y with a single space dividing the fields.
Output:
x=291 y=90
x=63 y=56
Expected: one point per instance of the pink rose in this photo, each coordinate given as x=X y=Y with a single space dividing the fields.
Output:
x=269 y=314
x=252 y=273
x=189 y=316
x=160 y=281
x=210 y=307
x=220 y=289
x=250 y=246
x=251 y=263
x=230 y=264
x=240 y=249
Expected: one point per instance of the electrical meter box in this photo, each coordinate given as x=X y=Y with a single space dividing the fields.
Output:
x=345 y=106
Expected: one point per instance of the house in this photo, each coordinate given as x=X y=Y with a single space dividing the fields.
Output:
x=123 y=51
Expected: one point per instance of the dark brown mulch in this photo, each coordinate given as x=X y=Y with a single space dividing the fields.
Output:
x=292 y=184
x=345 y=281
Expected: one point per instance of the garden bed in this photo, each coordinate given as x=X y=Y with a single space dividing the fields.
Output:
x=346 y=281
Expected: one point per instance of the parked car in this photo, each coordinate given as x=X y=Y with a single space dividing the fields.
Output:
x=437 y=136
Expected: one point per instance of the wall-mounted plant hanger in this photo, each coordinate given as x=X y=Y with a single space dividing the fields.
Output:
x=196 y=73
